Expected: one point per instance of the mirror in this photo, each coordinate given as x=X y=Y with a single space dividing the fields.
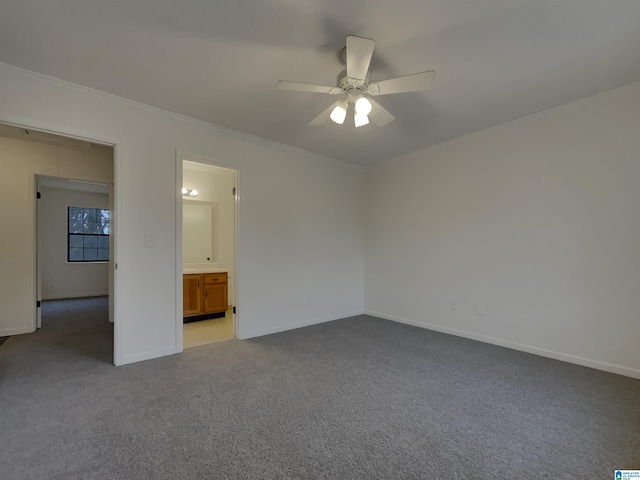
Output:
x=199 y=232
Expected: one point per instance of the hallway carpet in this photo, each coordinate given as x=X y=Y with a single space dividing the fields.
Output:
x=359 y=398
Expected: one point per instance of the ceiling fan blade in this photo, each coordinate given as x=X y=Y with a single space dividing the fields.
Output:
x=324 y=116
x=379 y=114
x=359 y=52
x=408 y=83
x=305 y=87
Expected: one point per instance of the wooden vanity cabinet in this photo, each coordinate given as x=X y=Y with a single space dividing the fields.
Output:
x=215 y=292
x=204 y=293
x=191 y=295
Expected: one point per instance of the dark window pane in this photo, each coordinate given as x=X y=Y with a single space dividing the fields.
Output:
x=90 y=241
x=76 y=213
x=75 y=254
x=75 y=241
x=76 y=226
x=103 y=242
x=103 y=254
x=92 y=227
x=90 y=255
x=91 y=215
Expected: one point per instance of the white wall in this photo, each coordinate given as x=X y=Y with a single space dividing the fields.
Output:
x=300 y=228
x=61 y=279
x=216 y=185
x=536 y=220
x=20 y=162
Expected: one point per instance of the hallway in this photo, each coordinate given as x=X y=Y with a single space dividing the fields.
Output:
x=73 y=331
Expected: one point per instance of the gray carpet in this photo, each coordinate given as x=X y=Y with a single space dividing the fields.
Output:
x=360 y=398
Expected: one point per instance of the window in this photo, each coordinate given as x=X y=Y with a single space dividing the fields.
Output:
x=88 y=234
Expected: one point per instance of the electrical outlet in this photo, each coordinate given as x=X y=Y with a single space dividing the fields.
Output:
x=479 y=309
x=453 y=304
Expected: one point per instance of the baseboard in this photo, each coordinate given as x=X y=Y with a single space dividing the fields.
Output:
x=139 y=357
x=543 y=352
x=293 y=326
x=7 y=332
x=75 y=295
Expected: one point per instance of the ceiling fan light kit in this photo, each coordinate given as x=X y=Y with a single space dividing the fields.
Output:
x=355 y=85
x=360 y=118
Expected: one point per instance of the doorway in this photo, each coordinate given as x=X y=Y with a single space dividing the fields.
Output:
x=73 y=272
x=60 y=173
x=206 y=229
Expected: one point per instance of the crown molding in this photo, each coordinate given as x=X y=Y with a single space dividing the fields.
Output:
x=620 y=91
x=245 y=137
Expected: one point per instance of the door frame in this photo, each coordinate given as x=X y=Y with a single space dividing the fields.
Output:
x=181 y=156
x=102 y=139
x=111 y=262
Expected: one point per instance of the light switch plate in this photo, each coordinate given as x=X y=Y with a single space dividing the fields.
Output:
x=149 y=242
x=479 y=309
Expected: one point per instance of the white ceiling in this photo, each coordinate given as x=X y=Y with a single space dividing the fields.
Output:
x=219 y=60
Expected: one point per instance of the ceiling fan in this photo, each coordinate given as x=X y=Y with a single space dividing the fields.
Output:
x=356 y=88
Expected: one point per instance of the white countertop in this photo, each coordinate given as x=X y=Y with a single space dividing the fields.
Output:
x=186 y=271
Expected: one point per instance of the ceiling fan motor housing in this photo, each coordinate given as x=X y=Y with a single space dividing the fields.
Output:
x=353 y=87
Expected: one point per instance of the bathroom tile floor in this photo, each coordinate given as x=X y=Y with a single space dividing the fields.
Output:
x=208 y=331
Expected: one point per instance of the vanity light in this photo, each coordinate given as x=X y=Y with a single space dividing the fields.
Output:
x=184 y=191
x=191 y=192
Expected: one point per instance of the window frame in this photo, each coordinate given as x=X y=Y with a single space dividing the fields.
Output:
x=83 y=235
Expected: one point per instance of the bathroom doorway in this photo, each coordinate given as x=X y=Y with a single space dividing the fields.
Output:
x=207 y=244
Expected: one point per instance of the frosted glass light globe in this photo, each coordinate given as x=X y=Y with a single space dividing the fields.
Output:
x=339 y=113
x=360 y=120
x=363 y=106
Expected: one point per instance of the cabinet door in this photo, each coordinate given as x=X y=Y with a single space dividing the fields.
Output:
x=215 y=298
x=191 y=295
